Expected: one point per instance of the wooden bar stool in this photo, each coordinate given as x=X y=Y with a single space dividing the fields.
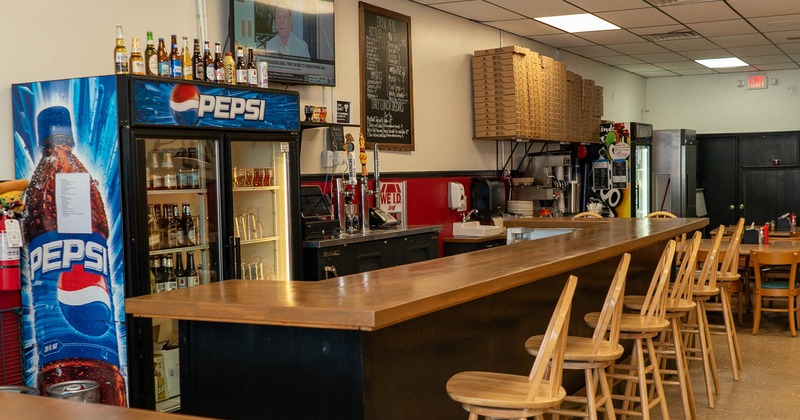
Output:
x=661 y=215
x=728 y=275
x=642 y=327
x=594 y=354
x=775 y=285
x=679 y=304
x=588 y=215
x=503 y=395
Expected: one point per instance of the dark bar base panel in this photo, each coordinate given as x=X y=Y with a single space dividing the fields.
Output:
x=242 y=371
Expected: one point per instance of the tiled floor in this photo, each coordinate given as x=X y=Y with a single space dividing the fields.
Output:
x=769 y=383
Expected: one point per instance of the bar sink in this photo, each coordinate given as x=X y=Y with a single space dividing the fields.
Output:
x=475 y=229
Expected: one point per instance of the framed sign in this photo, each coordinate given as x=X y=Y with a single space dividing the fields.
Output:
x=387 y=113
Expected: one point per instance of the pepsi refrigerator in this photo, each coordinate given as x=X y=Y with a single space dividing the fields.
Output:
x=103 y=155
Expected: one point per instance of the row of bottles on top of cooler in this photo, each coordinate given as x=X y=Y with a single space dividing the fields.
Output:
x=187 y=65
x=166 y=274
x=170 y=229
x=162 y=175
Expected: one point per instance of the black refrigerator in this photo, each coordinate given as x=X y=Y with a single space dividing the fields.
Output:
x=183 y=171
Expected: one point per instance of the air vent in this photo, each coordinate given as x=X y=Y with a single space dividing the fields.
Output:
x=659 y=3
x=671 y=36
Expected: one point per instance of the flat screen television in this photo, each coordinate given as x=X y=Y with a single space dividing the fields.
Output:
x=294 y=37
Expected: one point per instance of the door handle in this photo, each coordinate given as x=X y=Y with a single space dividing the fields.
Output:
x=741 y=206
x=731 y=207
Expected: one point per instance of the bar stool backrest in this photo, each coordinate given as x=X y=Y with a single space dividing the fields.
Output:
x=661 y=215
x=683 y=287
x=730 y=264
x=551 y=351
x=612 y=308
x=655 y=301
x=588 y=214
x=707 y=279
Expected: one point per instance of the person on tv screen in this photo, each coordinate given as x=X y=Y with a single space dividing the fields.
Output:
x=286 y=42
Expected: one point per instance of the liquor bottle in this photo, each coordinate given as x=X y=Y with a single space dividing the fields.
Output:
x=209 y=71
x=180 y=273
x=194 y=171
x=154 y=233
x=172 y=226
x=175 y=64
x=150 y=56
x=187 y=66
x=171 y=282
x=168 y=172
x=230 y=69
x=155 y=270
x=241 y=67
x=136 y=61
x=192 y=278
x=162 y=58
x=120 y=54
x=184 y=172
x=218 y=65
x=86 y=330
x=187 y=225
x=163 y=226
x=252 y=71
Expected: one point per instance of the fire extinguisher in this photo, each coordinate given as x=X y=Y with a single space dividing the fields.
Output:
x=9 y=253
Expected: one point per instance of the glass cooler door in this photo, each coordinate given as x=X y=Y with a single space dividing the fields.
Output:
x=642 y=179
x=260 y=209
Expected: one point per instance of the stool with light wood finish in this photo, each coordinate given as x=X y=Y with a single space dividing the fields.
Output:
x=661 y=215
x=594 y=354
x=642 y=327
x=679 y=304
x=775 y=285
x=502 y=395
x=588 y=214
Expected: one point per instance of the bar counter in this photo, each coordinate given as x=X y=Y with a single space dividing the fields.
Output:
x=382 y=344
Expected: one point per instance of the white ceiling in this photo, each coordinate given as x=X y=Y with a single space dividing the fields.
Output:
x=763 y=33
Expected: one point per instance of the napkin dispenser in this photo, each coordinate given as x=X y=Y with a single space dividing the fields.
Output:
x=783 y=225
x=751 y=236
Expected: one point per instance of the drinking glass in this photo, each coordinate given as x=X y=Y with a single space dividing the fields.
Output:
x=259 y=176
x=248 y=177
x=241 y=177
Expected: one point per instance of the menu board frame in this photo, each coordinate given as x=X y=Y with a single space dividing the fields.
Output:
x=377 y=107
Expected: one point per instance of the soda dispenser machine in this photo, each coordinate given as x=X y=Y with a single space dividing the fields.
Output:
x=129 y=173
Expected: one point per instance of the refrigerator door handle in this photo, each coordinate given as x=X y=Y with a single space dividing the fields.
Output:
x=237 y=256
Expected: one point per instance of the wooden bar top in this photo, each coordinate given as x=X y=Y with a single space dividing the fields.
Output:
x=35 y=407
x=376 y=299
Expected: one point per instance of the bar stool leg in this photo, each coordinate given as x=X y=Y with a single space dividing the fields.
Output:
x=642 y=372
x=730 y=332
x=707 y=352
x=687 y=393
x=657 y=381
x=609 y=403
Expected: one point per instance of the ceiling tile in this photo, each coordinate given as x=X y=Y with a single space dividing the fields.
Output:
x=687 y=45
x=722 y=28
x=700 y=12
x=610 y=37
x=766 y=59
x=561 y=40
x=660 y=73
x=746 y=40
x=650 y=30
x=753 y=8
x=760 y=50
x=659 y=58
x=682 y=65
x=615 y=60
x=639 y=67
x=637 y=18
x=783 y=37
x=694 y=72
x=639 y=48
x=592 y=51
x=477 y=10
x=793 y=48
x=609 y=5
x=777 y=66
x=539 y=8
x=524 y=27
x=705 y=54
x=737 y=70
x=795 y=57
x=777 y=23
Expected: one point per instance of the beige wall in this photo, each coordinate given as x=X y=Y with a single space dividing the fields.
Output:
x=54 y=39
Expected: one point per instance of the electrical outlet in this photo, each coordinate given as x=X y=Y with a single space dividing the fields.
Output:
x=327 y=159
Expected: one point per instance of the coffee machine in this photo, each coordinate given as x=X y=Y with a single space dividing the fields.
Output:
x=556 y=184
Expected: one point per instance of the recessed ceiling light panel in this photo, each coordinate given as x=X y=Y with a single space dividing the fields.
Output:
x=578 y=23
x=722 y=63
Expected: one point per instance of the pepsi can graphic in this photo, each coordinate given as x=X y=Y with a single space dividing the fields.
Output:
x=69 y=267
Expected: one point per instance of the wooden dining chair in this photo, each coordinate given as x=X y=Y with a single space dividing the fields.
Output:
x=670 y=343
x=772 y=285
x=588 y=215
x=661 y=215
x=642 y=327
x=594 y=354
x=502 y=395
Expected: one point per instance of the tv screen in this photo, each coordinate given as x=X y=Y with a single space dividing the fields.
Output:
x=294 y=37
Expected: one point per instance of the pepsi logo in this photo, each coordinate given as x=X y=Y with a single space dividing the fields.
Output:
x=84 y=301
x=183 y=102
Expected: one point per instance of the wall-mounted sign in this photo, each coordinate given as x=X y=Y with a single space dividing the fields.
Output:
x=757 y=81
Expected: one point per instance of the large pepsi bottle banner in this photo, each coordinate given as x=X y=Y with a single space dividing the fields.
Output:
x=187 y=104
x=66 y=137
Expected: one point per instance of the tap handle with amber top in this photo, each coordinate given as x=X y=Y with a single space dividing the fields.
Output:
x=363 y=154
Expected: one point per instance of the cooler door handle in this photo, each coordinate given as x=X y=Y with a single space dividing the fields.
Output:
x=236 y=246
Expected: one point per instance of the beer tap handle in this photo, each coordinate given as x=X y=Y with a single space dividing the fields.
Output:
x=377 y=174
x=362 y=155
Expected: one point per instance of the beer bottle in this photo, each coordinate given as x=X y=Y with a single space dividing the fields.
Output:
x=150 y=56
x=161 y=277
x=209 y=71
x=184 y=172
x=168 y=172
x=197 y=62
x=171 y=280
x=154 y=233
x=180 y=234
x=252 y=72
x=187 y=223
x=136 y=61
x=194 y=171
x=218 y=66
x=180 y=273
x=162 y=58
x=120 y=54
x=155 y=178
x=187 y=70
x=230 y=69
x=192 y=278
x=172 y=226
x=163 y=226
x=155 y=270
x=241 y=67
x=175 y=65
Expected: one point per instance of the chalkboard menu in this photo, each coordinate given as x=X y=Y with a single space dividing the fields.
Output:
x=387 y=114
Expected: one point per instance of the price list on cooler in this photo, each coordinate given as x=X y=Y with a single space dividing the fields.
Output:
x=387 y=115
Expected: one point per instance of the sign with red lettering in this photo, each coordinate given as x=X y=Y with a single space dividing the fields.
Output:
x=392 y=196
x=757 y=81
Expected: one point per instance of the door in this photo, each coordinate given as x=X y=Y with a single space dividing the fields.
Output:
x=641 y=180
x=718 y=176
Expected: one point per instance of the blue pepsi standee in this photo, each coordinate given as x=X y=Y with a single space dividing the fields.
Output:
x=235 y=153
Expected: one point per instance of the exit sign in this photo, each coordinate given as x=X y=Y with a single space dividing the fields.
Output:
x=757 y=81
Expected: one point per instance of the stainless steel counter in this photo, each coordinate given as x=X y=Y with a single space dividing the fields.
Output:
x=372 y=235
